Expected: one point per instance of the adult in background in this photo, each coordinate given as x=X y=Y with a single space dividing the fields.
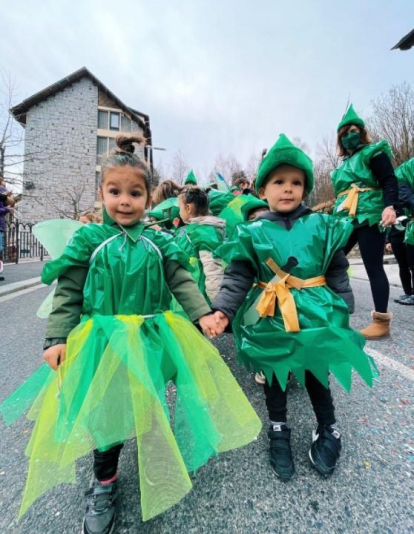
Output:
x=366 y=191
x=6 y=207
x=401 y=242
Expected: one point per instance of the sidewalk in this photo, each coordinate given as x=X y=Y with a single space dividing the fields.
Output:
x=357 y=270
x=21 y=271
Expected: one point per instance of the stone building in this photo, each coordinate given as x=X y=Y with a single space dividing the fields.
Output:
x=70 y=127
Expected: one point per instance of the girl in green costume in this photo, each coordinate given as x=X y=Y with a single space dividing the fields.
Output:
x=366 y=192
x=295 y=319
x=201 y=235
x=113 y=346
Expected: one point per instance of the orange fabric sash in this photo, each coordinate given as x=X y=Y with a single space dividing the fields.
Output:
x=280 y=291
x=351 y=201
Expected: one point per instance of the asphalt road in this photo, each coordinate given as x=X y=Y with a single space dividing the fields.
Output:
x=371 y=491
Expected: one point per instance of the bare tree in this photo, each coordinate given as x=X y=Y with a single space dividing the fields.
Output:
x=180 y=167
x=227 y=166
x=252 y=166
x=393 y=119
x=11 y=134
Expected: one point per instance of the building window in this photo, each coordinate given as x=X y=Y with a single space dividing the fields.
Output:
x=101 y=150
x=114 y=121
x=112 y=144
x=103 y=119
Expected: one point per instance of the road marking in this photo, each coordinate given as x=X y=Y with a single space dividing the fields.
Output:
x=22 y=292
x=392 y=364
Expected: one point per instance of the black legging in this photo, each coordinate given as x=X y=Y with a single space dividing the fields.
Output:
x=404 y=254
x=105 y=464
x=320 y=396
x=371 y=244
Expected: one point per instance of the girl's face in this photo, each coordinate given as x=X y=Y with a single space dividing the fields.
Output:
x=124 y=194
x=187 y=211
x=284 y=189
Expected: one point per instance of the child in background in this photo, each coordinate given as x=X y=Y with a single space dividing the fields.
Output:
x=115 y=345
x=199 y=238
x=296 y=318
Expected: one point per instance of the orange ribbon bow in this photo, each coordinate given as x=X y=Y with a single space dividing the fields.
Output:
x=280 y=292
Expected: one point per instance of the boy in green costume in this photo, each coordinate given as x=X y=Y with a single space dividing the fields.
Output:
x=200 y=236
x=296 y=318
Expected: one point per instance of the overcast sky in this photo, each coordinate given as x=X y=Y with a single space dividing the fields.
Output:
x=216 y=76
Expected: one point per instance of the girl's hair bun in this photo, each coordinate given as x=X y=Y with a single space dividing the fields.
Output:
x=126 y=144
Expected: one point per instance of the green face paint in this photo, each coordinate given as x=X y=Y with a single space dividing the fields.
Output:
x=351 y=140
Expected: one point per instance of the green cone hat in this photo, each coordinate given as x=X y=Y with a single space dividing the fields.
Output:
x=285 y=152
x=351 y=117
x=191 y=179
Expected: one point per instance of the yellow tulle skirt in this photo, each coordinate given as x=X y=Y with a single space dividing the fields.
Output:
x=111 y=388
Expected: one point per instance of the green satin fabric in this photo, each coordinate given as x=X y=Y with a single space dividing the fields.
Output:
x=326 y=343
x=356 y=170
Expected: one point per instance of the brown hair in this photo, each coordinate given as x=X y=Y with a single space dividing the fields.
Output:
x=241 y=180
x=365 y=138
x=197 y=196
x=124 y=155
x=166 y=189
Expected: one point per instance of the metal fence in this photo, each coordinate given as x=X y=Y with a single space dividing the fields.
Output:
x=20 y=243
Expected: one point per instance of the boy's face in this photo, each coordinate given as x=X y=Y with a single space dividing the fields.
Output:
x=284 y=189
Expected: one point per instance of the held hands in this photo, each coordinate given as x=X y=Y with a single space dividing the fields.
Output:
x=388 y=217
x=55 y=356
x=214 y=324
x=221 y=320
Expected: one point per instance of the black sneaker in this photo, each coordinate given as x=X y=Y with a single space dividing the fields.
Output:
x=281 y=460
x=325 y=449
x=100 y=508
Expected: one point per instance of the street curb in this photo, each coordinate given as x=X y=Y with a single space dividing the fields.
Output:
x=18 y=286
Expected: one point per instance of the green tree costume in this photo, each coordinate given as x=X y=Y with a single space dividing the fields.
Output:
x=325 y=343
x=119 y=359
x=405 y=175
x=304 y=327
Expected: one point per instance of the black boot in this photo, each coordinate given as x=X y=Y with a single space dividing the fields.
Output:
x=281 y=460
x=325 y=449
x=100 y=508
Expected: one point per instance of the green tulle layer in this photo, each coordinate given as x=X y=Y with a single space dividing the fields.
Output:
x=112 y=388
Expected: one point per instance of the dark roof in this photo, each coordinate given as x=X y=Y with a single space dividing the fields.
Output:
x=406 y=42
x=19 y=112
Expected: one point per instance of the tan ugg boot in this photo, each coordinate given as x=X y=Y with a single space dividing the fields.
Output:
x=380 y=326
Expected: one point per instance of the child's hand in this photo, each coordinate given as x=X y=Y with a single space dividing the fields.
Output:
x=209 y=326
x=221 y=320
x=55 y=356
